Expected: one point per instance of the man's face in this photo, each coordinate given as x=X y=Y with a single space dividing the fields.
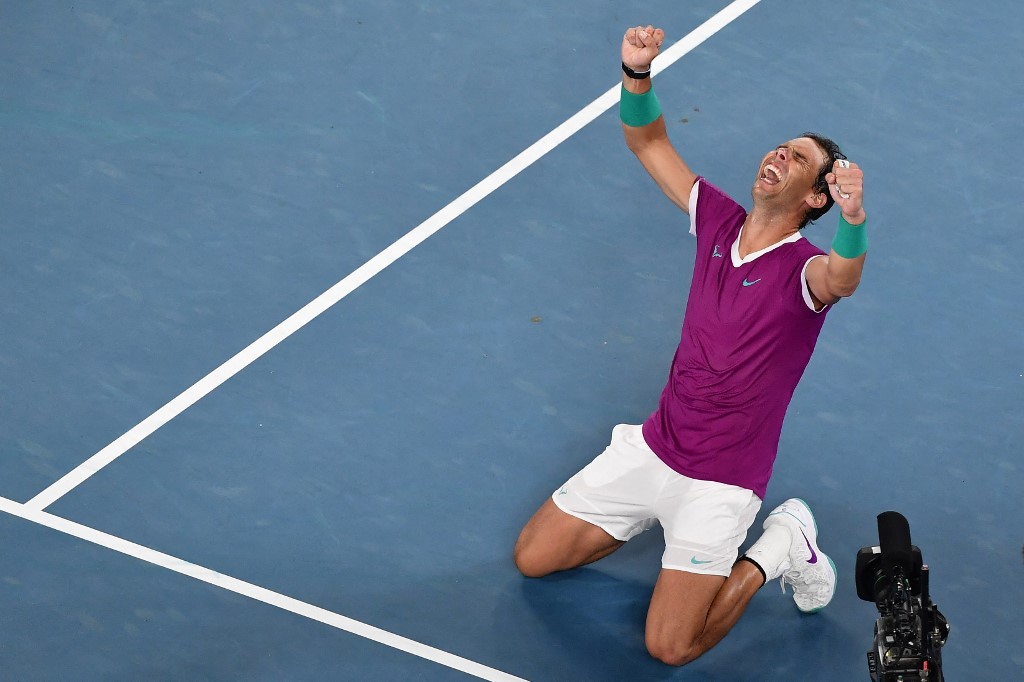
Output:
x=789 y=171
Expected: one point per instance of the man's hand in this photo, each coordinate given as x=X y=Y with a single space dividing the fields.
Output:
x=846 y=185
x=640 y=46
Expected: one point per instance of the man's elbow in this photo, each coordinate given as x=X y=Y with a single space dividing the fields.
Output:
x=635 y=142
x=844 y=289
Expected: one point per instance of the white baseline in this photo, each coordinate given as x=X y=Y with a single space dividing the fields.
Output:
x=256 y=592
x=375 y=265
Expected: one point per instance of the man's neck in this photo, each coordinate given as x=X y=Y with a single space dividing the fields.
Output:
x=764 y=227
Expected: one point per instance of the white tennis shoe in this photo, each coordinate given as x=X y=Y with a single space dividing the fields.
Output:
x=810 y=571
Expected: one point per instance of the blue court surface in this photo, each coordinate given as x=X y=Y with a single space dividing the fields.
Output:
x=282 y=382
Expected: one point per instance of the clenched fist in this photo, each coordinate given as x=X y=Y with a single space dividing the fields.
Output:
x=640 y=46
x=846 y=185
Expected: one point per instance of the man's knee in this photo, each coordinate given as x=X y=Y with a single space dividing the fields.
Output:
x=529 y=561
x=672 y=652
x=679 y=614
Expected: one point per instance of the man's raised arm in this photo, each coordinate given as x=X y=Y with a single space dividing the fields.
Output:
x=837 y=275
x=642 y=122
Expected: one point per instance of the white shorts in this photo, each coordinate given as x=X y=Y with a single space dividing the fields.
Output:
x=627 y=489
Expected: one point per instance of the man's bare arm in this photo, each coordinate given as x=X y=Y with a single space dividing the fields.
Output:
x=836 y=276
x=650 y=142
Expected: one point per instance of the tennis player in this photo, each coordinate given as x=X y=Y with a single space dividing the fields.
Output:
x=700 y=464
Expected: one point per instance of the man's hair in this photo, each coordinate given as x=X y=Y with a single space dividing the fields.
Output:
x=832 y=154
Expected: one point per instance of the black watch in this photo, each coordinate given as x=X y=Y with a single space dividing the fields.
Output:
x=635 y=74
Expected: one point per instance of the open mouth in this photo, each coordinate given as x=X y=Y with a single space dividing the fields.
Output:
x=771 y=175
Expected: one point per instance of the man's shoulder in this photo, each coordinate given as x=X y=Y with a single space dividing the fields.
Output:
x=804 y=249
x=711 y=193
x=715 y=205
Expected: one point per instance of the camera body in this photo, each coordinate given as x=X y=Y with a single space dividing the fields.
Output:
x=910 y=630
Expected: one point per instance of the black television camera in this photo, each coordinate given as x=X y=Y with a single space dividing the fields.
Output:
x=910 y=631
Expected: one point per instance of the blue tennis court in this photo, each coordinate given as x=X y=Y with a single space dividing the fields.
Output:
x=308 y=306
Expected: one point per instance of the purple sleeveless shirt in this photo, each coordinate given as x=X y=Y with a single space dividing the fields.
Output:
x=748 y=334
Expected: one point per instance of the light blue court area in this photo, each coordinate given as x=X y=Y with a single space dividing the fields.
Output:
x=179 y=178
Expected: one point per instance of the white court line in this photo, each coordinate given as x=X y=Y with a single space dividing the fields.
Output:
x=256 y=592
x=375 y=265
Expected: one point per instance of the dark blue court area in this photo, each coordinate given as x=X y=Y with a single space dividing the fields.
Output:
x=180 y=177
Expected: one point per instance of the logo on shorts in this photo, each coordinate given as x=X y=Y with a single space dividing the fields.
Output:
x=563 y=491
x=697 y=562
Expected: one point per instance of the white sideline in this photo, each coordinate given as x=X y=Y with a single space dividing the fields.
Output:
x=374 y=266
x=33 y=509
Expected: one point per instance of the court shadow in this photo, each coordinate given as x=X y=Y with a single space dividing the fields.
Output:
x=596 y=621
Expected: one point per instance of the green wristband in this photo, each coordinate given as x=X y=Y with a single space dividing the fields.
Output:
x=637 y=111
x=850 y=241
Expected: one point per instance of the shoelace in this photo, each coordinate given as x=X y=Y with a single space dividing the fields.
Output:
x=817 y=579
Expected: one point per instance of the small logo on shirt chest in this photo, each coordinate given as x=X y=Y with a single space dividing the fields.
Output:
x=747 y=283
x=717 y=253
